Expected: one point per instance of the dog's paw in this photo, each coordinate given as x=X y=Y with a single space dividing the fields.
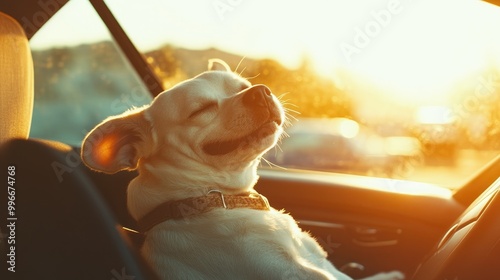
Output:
x=393 y=275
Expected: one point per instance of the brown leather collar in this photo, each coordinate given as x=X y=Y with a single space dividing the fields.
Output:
x=184 y=208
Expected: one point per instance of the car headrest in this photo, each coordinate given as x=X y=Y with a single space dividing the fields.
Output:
x=16 y=80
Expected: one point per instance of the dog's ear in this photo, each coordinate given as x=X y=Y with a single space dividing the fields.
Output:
x=117 y=143
x=218 y=65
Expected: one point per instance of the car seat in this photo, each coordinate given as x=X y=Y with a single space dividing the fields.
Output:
x=57 y=227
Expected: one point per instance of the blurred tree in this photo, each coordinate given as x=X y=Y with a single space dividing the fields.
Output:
x=301 y=89
x=313 y=95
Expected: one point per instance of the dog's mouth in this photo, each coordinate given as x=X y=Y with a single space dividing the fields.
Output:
x=224 y=147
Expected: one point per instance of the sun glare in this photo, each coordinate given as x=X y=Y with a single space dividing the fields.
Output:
x=434 y=115
x=349 y=129
x=426 y=60
x=417 y=52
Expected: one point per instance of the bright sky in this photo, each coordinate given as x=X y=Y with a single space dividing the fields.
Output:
x=390 y=41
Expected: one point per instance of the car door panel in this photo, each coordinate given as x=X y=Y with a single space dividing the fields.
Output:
x=381 y=230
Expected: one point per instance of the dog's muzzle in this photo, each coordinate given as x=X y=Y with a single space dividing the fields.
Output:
x=265 y=112
x=259 y=98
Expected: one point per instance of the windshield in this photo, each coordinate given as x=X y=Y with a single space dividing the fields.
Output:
x=398 y=89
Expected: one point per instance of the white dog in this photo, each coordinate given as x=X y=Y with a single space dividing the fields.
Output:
x=197 y=147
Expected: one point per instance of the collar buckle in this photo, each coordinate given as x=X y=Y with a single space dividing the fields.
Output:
x=221 y=197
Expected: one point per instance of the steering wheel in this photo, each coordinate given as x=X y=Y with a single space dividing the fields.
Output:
x=471 y=247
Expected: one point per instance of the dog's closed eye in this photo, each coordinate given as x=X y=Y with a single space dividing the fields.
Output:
x=204 y=108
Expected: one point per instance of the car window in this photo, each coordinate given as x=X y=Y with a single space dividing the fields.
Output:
x=398 y=89
x=80 y=76
x=388 y=88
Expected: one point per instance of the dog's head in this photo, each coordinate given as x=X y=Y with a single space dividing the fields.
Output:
x=209 y=128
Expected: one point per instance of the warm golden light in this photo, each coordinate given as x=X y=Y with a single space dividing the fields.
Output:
x=104 y=151
x=416 y=53
x=434 y=115
x=349 y=128
x=411 y=88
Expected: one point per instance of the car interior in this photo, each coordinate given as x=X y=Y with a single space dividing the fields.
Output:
x=69 y=222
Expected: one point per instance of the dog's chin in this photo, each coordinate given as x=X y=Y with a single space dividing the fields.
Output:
x=258 y=140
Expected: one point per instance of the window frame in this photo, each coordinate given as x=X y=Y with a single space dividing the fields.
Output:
x=139 y=64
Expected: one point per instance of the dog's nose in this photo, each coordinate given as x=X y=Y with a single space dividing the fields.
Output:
x=257 y=96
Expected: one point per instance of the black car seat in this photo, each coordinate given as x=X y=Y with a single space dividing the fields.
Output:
x=54 y=222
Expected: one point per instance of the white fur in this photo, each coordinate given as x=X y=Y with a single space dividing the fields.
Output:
x=165 y=142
